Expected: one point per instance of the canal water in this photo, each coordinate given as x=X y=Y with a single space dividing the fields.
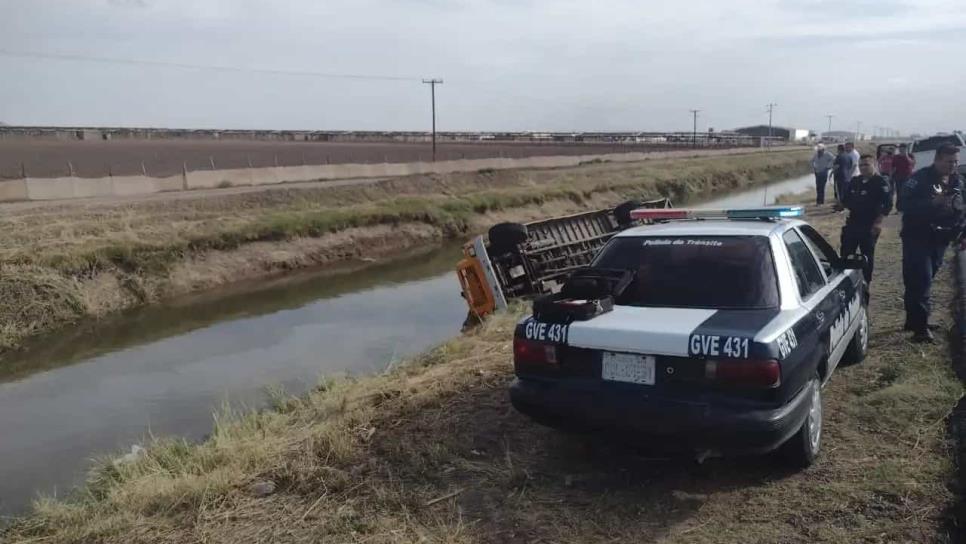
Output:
x=101 y=387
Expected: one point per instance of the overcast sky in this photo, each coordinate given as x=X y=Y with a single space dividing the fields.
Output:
x=507 y=64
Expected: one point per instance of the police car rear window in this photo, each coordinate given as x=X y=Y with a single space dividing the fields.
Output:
x=734 y=272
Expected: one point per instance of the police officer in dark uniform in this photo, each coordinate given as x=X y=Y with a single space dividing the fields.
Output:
x=933 y=214
x=868 y=200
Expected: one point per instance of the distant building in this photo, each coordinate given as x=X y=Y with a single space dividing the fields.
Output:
x=783 y=133
x=843 y=136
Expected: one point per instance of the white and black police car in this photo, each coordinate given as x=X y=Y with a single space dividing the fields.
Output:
x=720 y=343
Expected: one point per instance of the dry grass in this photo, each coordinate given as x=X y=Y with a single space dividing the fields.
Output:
x=432 y=452
x=156 y=248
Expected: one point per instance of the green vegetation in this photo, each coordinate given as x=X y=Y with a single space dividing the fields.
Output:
x=432 y=452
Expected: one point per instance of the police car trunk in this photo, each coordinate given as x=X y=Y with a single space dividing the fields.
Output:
x=701 y=345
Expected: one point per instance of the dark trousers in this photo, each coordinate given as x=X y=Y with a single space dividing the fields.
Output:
x=921 y=260
x=841 y=187
x=821 y=179
x=895 y=184
x=862 y=238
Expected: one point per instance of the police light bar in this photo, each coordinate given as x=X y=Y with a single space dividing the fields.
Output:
x=766 y=212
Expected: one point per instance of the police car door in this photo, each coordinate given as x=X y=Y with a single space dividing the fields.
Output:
x=845 y=294
x=816 y=294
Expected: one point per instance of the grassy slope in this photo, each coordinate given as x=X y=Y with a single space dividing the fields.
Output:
x=364 y=461
x=63 y=262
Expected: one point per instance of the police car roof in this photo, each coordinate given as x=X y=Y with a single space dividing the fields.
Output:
x=713 y=227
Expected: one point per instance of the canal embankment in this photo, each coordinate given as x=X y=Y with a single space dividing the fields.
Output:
x=64 y=262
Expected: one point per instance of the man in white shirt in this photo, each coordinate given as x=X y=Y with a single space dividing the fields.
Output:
x=821 y=165
x=850 y=149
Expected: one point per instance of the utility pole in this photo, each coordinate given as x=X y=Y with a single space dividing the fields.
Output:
x=694 y=131
x=830 y=116
x=432 y=89
x=858 y=127
x=771 y=109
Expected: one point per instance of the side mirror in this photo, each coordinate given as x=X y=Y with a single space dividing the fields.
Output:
x=853 y=262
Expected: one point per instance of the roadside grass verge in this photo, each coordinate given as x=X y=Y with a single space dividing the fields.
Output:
x=432 y=451
x=109 y=256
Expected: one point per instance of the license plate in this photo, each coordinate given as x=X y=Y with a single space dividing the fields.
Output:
x=627 y=367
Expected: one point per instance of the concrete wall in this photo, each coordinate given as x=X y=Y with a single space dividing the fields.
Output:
x=75 y=187
x=14 y=189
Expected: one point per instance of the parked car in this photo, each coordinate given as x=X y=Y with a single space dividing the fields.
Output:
x=719 y=342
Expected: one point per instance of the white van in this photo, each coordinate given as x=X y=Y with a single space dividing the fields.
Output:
x=924 y=149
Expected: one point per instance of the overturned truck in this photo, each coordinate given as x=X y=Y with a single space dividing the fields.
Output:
x=520 y=260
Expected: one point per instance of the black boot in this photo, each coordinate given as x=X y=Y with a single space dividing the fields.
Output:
x=923 y=337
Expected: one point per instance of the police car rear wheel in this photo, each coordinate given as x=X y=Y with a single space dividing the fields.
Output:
x=859 y=345
x=802 y=448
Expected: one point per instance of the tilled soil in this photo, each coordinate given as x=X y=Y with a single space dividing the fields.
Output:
x=160 y=158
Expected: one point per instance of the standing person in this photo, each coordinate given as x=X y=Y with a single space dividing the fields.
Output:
x=842 y=172
x=850 y=149
x=868 y=200
x=933 y=214
x=885 y=162
x=903 y=163
x=821 y=166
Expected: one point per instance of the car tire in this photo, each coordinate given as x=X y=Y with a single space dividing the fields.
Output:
x=505 y=237
x=801 y=450
x=859 y=344
x=623 y=212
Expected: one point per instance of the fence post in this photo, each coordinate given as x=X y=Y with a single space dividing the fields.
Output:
x=110 y=171
x=303 y=159
x=211 y=160
x=248 y=158
x=70 y=169
x=144 y=171
x=23 y=170
x=184 y=175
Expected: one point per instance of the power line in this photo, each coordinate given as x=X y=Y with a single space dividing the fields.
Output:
x=216 y=68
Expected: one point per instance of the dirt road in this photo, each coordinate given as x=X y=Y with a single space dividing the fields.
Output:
x=173 y=196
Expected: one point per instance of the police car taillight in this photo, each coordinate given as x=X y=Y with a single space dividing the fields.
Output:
x=766 y=373
x=530 y=352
